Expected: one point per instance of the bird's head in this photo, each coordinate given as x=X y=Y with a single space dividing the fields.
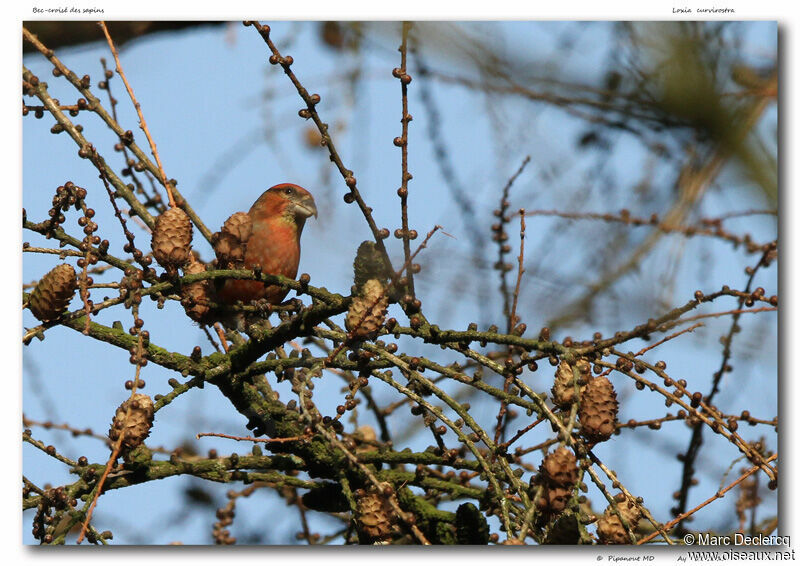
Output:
x=287 y=202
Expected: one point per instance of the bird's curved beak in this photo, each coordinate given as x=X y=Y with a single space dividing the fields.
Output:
x=305 y=207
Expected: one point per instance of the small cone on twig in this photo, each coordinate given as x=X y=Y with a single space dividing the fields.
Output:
x=196 y=296
x=554 y=499
x=132 y=420
x=368 y=311
x=610 y=529
x=172 y=239
x=560 y=468
x=230 y=243
x=375 y=520
x=558 y=475
x=598 y=410
x=230 y=246
x=563 y=389
x=53 y=293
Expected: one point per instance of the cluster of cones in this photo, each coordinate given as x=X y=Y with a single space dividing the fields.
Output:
x=132 y=422
x=172 y=249
x=367 y=311
x=597 y=417
x=598 y=407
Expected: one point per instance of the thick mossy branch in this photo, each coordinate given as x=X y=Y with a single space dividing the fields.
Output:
x=434 y=335
x=225 y=470
x=117 y=336
x=439 y=526
x=406 y=456
x=453 y=489
x=300 y=324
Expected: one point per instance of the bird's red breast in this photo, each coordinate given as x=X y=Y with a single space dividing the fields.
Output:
x=277 y=218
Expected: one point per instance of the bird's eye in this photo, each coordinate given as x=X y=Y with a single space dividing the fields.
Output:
x=289 y=191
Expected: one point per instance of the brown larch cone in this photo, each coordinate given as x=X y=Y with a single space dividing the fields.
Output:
x=560 y=468
x=230 y=242
x=554 y=499
x=610 y=529
x=172 y=239
x=598 y=410
x=376 y=520
x=558 y=475
x=134 y=418
x=196 y=296
x=53 y=293
x=563 y=390
x=368 y=311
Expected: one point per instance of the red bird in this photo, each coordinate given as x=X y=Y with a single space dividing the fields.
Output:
x=267 y=236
